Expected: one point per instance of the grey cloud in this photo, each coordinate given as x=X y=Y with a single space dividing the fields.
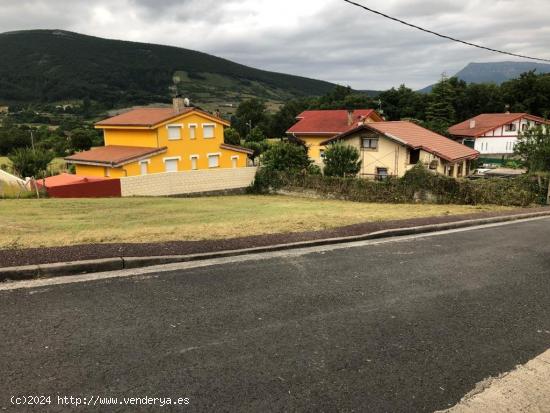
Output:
x=326 y=39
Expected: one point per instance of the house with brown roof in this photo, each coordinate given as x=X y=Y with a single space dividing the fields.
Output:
x=316 y=126
x=392 y=148
x=153 y=140
x=494 y=135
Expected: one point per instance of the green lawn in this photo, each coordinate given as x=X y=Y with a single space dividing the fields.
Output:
x=49 y=222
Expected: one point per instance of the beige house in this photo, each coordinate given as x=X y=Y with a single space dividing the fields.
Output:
x=392 y=148
x=316 y=126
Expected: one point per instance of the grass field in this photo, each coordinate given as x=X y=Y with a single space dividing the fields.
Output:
x=49 y=222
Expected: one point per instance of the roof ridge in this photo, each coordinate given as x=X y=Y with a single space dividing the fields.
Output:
x=334 y=110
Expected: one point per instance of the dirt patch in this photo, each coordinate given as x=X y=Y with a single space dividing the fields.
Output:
x=28 y=256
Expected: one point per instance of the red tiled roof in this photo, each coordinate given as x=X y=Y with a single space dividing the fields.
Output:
x=417 y=137
x=142 y=117
x=66 y=179
x=236 y=148
x=113 y=156
x=329 y=122
x=486 y=122
x=149 y=117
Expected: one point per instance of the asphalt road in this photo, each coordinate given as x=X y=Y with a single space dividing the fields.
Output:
x=407 y=326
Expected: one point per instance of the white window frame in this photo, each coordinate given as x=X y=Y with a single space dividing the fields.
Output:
x=235 y=157
x=172 y=158
x=214 y=130
x=196 y=158
x=192 y=127
x=146 y=162
x=209 y=155
x=173 y=126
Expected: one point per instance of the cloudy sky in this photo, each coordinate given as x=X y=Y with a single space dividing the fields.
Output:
x=324 y=39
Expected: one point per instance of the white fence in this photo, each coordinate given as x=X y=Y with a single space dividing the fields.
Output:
x=187 y=182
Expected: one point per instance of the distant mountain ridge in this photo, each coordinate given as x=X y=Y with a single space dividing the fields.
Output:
x=55 y=65
x=497 y=72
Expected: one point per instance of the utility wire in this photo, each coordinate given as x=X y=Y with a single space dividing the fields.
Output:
x=444 y=36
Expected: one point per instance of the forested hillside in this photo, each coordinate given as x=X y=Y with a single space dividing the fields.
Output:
x=52 y=65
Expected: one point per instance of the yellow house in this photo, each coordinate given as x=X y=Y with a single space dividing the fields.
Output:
x=392 y=148
x=152 y=140
x=316 y=126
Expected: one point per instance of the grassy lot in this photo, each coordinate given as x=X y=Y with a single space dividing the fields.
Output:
x=49 y=222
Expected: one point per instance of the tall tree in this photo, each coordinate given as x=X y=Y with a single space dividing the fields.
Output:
x=533 y=148
x=231 y=136
x=403 y=103
x=481 y=98
x=250 y=114
x=440 y=112
x=530 y=93
x=285 y=117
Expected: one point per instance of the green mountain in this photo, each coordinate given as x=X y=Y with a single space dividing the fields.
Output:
x=499 y=72
x=496 y=72
x=54 y=65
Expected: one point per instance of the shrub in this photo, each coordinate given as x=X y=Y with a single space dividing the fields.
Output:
x=342 y=160
x=285 y=156
x=314 y=170
x=257 y=147
x=29 y=162
x=418 y=185
x=265 y=181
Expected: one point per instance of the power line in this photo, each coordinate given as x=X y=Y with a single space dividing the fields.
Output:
x=444 y=36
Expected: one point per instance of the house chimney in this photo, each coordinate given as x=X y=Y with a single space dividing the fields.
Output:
x=507 y=109
x=472 y=123
x=350 y=117
x=362 y=120
x=178 y=103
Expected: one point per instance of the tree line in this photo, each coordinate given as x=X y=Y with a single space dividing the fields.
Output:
x=450 y=101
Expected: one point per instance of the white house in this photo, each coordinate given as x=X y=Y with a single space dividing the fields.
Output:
x=494 y=135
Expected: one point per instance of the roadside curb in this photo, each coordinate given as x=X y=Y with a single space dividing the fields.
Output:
x=30 y=272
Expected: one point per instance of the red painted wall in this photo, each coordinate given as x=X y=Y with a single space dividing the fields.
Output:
x=100 y=189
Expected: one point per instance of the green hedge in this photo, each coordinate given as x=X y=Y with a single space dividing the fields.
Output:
x=418 y=185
